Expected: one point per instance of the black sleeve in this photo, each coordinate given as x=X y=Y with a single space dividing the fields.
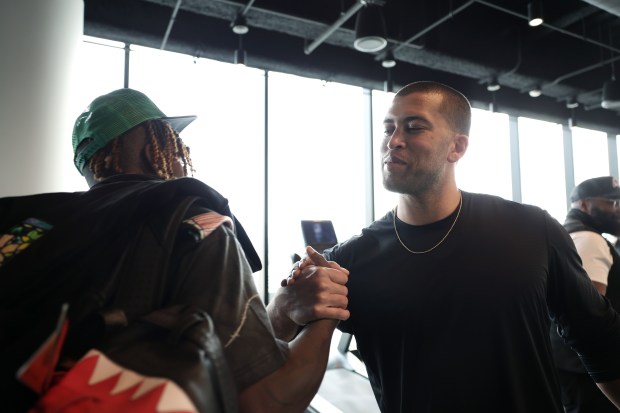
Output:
x=214 y=274
x=584 y=318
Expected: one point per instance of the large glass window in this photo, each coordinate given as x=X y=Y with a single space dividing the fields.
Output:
x=316 y=163
x=590 y=157
x=541 y=152
x=485 y=168
x=100 y=69
x=317 y=146
x=227 y=139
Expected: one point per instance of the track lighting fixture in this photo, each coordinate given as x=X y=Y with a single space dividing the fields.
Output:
x=493 y=85
x=611 y=95
x=572 y=103
x=535 y=91
x=240 y=25
x=534 y=13
x=370 y=32
x=388 y=60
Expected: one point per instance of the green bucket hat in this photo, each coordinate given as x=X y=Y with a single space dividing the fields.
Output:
x=111 y=115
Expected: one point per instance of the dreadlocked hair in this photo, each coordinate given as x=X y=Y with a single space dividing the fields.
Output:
x=105 y=162
x=166 y=147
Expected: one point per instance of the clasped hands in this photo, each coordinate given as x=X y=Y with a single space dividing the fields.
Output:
x=316 y=289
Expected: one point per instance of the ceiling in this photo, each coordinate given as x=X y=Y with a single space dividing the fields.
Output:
x=463 y=43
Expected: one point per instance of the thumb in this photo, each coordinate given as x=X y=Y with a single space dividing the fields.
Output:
x=319 y=260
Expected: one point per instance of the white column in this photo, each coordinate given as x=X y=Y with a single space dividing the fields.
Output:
x=39 y=41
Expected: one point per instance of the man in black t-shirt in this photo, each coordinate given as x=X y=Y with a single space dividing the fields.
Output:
x=451 y=294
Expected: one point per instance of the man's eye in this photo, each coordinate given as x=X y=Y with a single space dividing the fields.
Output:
x=414 y=126
x=388 y=132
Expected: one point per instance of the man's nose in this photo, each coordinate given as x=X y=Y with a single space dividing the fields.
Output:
x=396 y=140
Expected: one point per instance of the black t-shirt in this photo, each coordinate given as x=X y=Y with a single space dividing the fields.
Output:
x=465 y=327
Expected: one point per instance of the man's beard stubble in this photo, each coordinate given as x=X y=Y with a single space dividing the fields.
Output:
x=609 y=223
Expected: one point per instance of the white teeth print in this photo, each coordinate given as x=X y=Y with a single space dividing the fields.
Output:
x=172 y=399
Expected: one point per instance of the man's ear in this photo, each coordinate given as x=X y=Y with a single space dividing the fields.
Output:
x=584 y=206
x=459 y=147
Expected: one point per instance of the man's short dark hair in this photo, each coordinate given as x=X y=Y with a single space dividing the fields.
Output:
x=455 y=107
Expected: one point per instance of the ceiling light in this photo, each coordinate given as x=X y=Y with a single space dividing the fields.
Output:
x=572 y=103
x=493 y=85
x=535 y=91
x=534 y=13
x=388 y=61
x=611 y=95
x=240 y=25
x=370 y=33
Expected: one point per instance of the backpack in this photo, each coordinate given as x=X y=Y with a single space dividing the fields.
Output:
x=169 y=360
x=136 y=279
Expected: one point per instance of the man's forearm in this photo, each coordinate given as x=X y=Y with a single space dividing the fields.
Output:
x=304 y=370
x=292 y=387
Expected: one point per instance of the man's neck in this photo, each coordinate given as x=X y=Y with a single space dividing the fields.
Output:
x=429 y=207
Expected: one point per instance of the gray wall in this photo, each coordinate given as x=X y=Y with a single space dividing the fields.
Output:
x=39 y=40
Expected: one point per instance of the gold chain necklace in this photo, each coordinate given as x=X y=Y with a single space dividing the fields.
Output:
x=458 y=213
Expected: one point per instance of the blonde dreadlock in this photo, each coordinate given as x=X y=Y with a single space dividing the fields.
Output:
x=166 y=147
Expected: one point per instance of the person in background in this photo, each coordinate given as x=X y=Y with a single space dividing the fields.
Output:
x=595 y=210
x=144 y=219
x=451 y=294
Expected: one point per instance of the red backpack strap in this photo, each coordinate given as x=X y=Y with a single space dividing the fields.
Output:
x=208 y=222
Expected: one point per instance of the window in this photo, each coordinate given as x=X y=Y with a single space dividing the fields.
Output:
x=227 y=139
x=485 y=168
x=316 y=163
x=317 y=148
x=542 y=166
x=590 y=158
x=99 y=70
